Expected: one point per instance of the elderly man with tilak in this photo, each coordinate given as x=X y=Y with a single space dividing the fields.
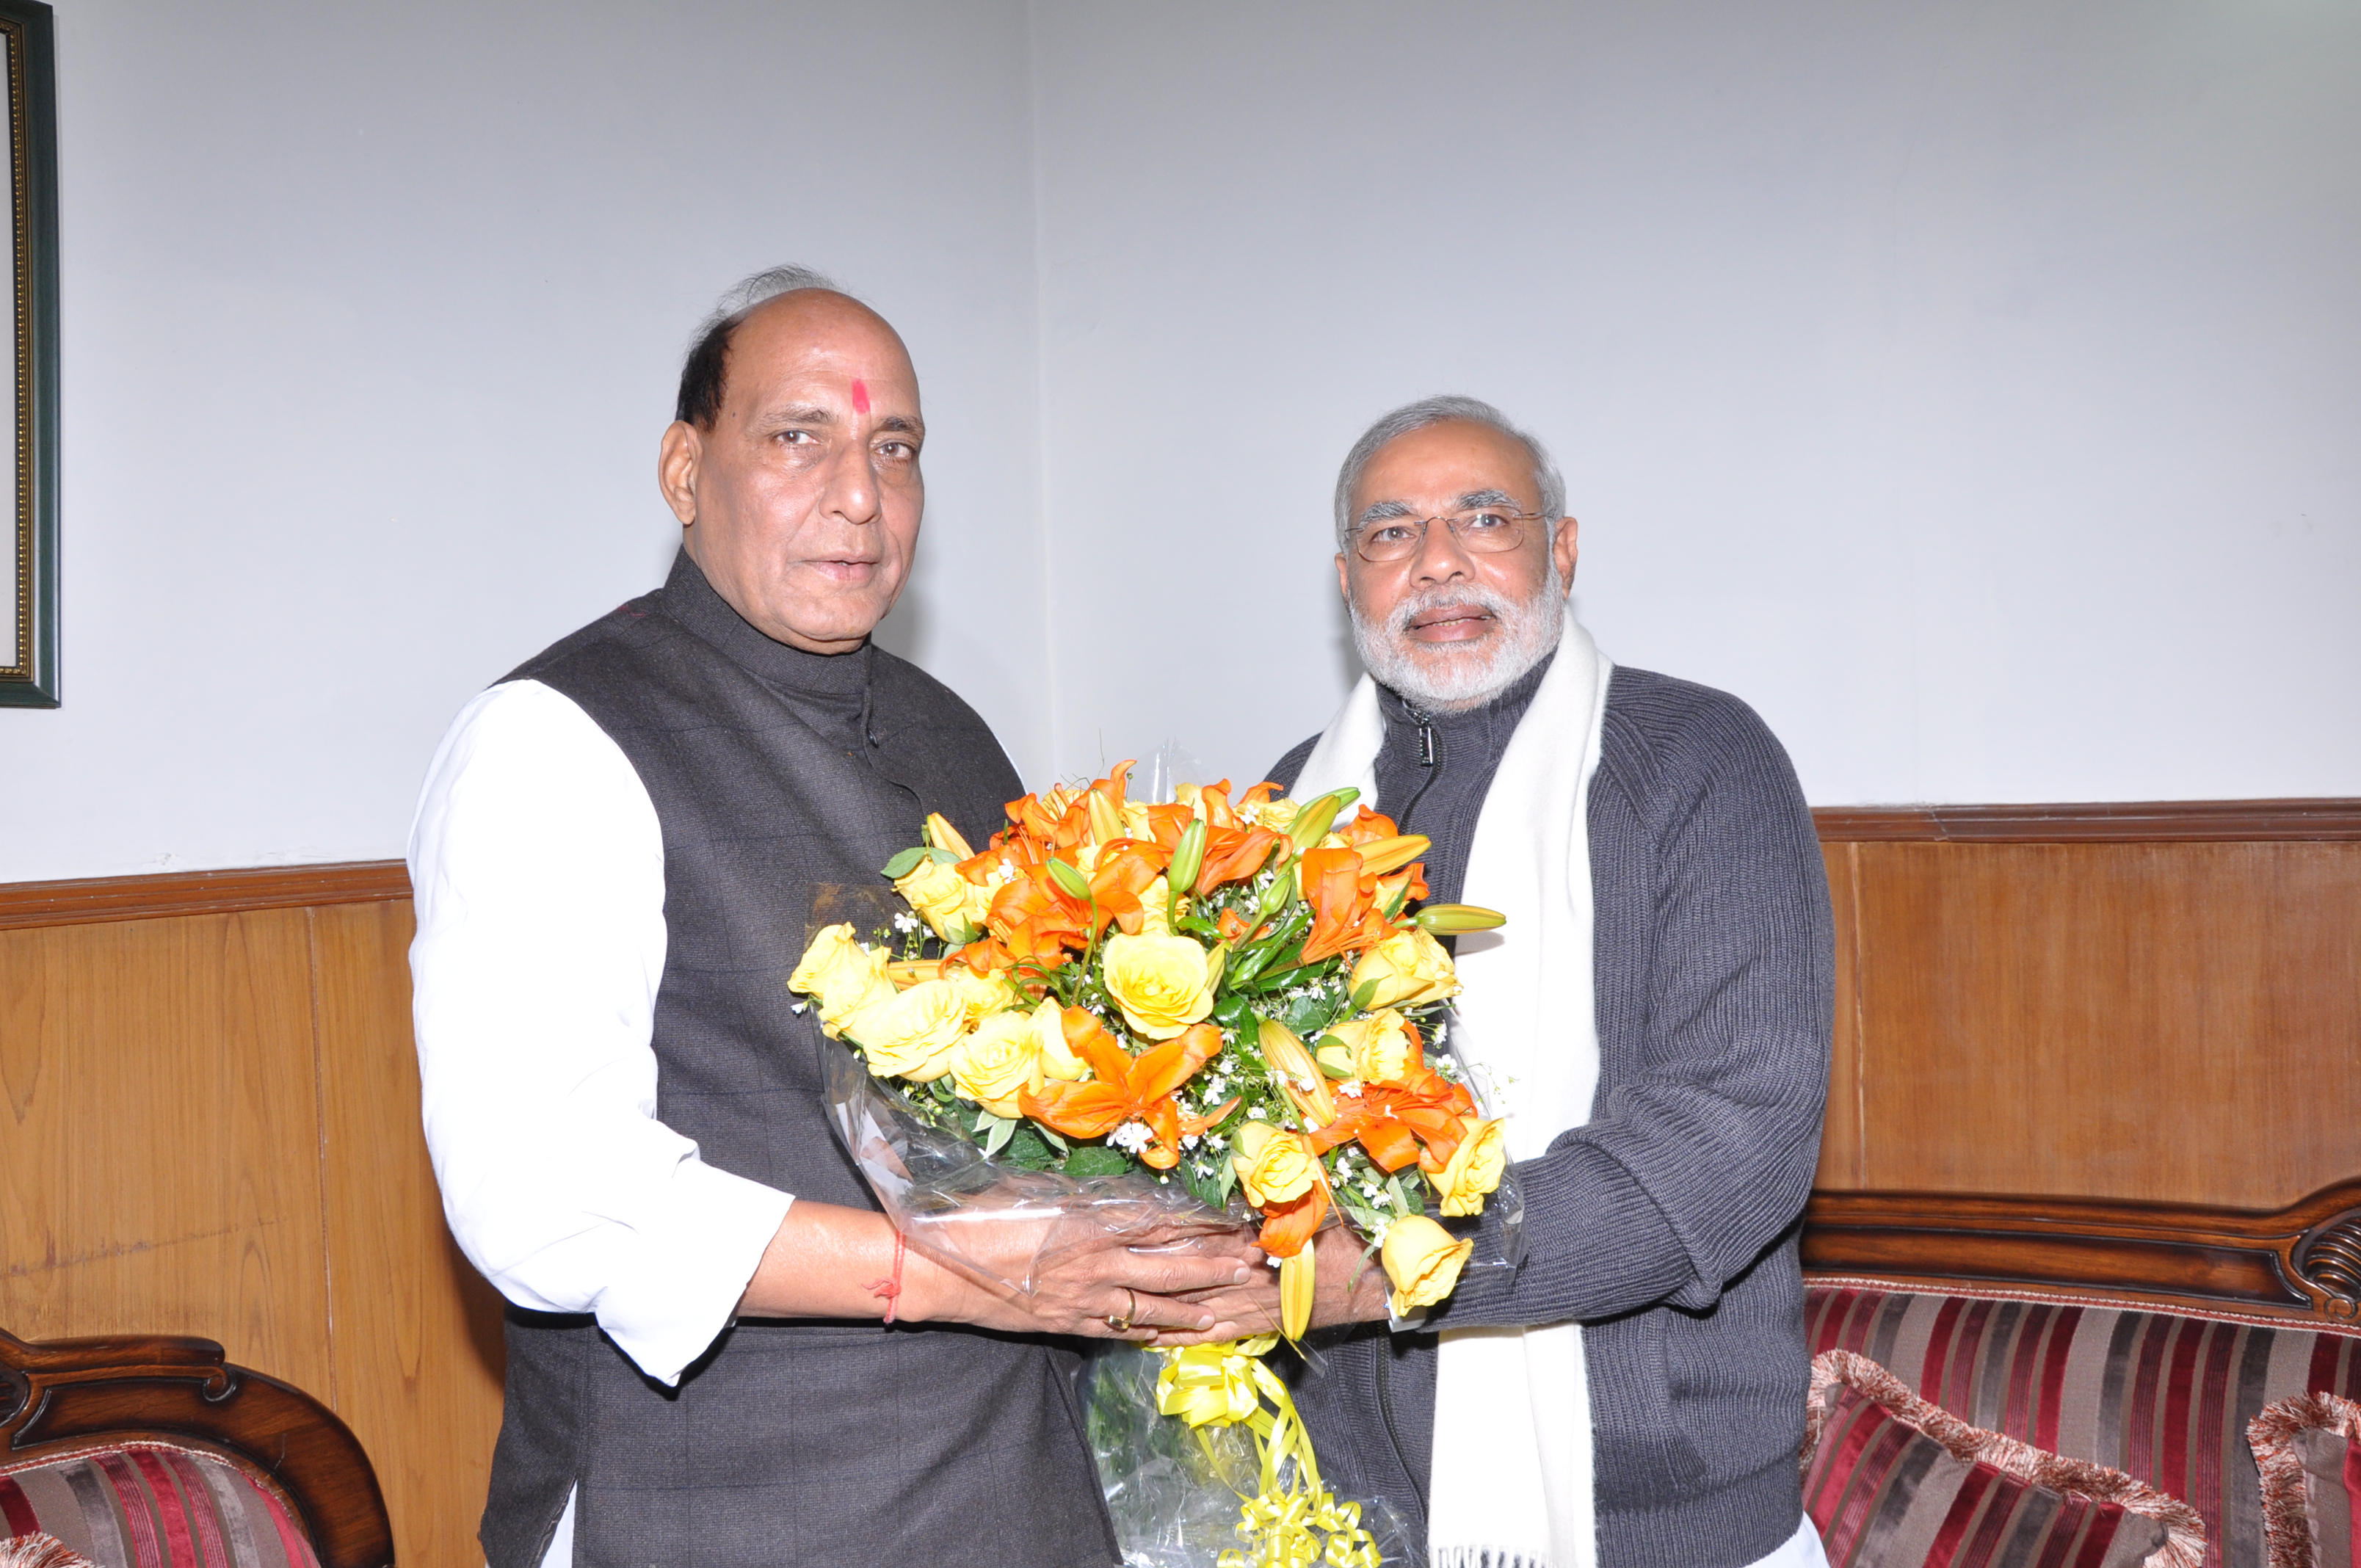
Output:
x=719 y=1352
x=1653 y=1021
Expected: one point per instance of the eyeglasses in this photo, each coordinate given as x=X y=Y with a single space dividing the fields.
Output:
x=1480 y=531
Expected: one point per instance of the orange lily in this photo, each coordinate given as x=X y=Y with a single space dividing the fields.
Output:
x=1370 y=1121
x=1286 y=1227
x=1037 y=919
x=1126 y=868
x=1214 y=803
x=1366 y=827
x=1233 y=854
x=1409 y=881
x=1421 y=1121
x=1166 y=823
x=1343 y=904
x=1124 y=1088
x=986 y=956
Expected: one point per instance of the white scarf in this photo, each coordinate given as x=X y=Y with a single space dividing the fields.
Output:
x=1512 y=1456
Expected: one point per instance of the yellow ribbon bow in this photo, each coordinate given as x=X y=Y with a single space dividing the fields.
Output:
x=1292 y=1523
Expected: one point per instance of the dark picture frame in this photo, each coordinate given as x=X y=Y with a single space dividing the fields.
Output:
x=29 y=560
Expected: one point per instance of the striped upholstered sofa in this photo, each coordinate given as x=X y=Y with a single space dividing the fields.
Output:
x=2155 y=1341
x=153 y=1451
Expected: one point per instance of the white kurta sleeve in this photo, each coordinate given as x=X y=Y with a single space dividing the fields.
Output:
x=538 y=870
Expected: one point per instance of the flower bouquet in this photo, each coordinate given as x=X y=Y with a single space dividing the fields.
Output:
x=1118 y=1012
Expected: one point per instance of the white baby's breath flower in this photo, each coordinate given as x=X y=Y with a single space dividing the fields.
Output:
x=1350 y=1089
x=1132 y=1136
x=1255 y=1112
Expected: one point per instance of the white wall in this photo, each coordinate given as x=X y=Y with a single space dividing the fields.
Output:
x=1974 y=389
x=371 y=320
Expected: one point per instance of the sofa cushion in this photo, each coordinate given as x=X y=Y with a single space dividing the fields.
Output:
x=2308 y=1449
x=152 y=1505
x=2162 y=1395
x=1893 y=1481
x=39 y=1552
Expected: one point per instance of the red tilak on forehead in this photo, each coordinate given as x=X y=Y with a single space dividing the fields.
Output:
x=860 y=397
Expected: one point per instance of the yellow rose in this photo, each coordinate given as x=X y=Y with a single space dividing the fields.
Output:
x=1474 y=1169
x=1422 y=1261
x=1278 y=816
x=911 y=1035
x=841 y=975
x=1410 y=969
x=979 y=896
x=1048 y=1022
x=1162 y=983
x=1283 y=1167
x=996 y=1063
x=939 y=895
x=980 y=994
x=1379 y=1045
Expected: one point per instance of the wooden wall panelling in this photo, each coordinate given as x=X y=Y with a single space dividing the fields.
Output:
x=2174 y=1022
x=161 y=1164
x=416 y=1343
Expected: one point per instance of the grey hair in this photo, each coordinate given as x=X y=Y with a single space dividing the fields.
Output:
x=768 y=284
x=1439 y=410
x=702 y=375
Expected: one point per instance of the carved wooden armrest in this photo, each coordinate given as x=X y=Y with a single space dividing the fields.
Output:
x=60 y=1395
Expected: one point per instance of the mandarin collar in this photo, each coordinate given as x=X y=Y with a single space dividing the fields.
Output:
x=691 y=599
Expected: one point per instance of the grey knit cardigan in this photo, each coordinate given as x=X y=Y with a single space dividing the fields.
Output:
x=1666 y=1224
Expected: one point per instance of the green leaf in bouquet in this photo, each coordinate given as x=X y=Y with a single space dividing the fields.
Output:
x=1025 y=1150
x=1363 y=995
x=1002 y=1129
x=1233 y=1011
x=1225 y=1179
x=1096 y=1159
x=1410 y=1197
x=905 y=863
x=1207 y=1189
x=1306 y=1015
x=1051 y=1134
x=1284 y=970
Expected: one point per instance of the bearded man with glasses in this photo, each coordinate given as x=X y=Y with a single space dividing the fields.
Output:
x=1654 y=1023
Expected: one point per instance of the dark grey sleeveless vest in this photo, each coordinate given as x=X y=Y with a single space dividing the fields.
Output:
x=775 y=771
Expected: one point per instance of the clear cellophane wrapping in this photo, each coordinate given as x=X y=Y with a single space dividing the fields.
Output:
x=1174 y=1492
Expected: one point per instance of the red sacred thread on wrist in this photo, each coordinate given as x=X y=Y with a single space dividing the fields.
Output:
x=890 y=1289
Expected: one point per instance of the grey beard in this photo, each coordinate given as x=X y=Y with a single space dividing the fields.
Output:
x=1443 y=681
